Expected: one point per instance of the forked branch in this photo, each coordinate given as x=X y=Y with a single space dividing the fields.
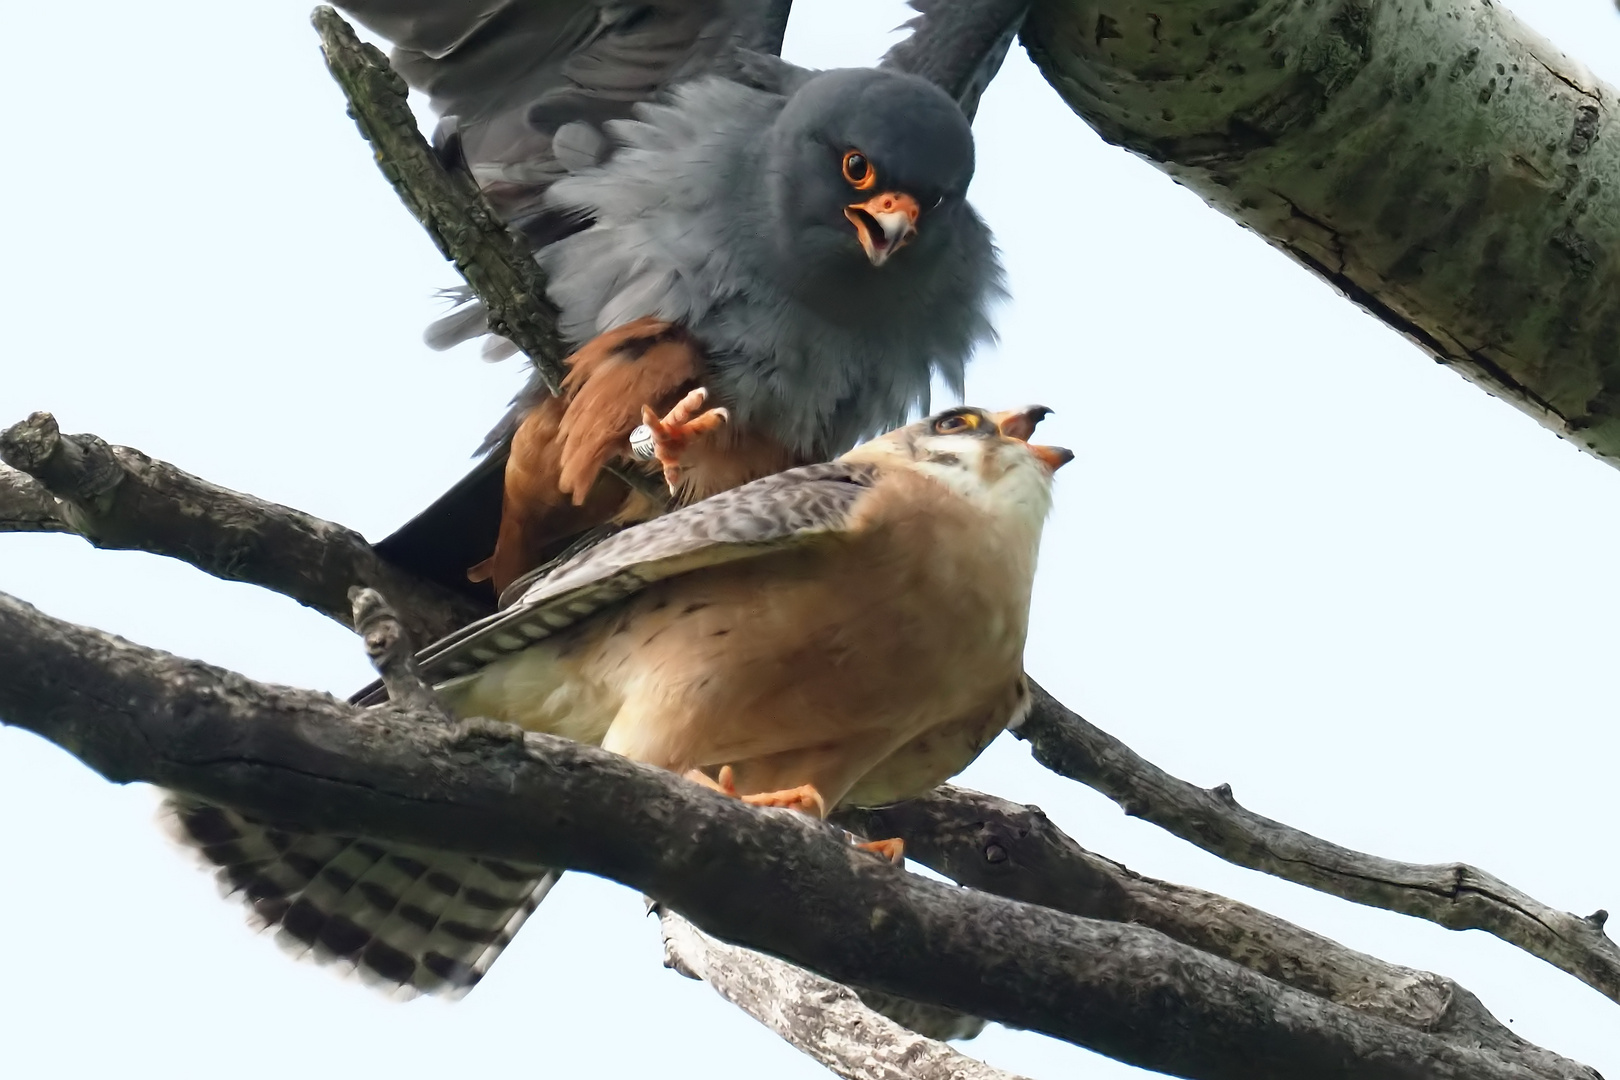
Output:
x=1455 y=895
x=119 y=498
x=770 y=880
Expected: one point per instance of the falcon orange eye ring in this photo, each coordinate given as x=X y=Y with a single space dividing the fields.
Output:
x=952 y=424
x=859 y=172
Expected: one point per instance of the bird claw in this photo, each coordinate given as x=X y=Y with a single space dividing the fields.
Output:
x=667 y=438
x=894 y=849
x=804 y=798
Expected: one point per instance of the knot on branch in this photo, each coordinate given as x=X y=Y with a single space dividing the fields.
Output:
x=75 y=468
x=1599 y=919
x=389 y=647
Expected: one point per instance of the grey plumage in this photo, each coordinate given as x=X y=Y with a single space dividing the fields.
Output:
x=655 y=154
x=959 y=46
x=806 y=339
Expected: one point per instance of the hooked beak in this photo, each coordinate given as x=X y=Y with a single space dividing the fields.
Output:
x=1020 y=424
x=884 y=223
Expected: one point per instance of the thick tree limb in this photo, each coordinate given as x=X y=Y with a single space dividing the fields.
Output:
x=1455 y=895
x=496 y=262
x=1016 y=851
x=772 y=881
x=154 y=507
x=819 y=1017
x=25 y=505
x=119 y=498
x=1439 y=163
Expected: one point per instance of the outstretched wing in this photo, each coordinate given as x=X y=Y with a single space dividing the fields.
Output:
x=767 y=515
x=530 y=83
x=959 y=44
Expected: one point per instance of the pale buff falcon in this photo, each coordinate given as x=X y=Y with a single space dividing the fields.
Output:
x=851 y=632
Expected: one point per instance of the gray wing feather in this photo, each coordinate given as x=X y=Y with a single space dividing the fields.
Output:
x=766 y=515
x=514 y=72
x=959 y=44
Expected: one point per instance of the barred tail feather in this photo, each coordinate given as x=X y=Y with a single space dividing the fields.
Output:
x=406 y=920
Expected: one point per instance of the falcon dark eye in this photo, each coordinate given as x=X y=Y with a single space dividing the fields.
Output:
x=858 y=171
x=950 y=425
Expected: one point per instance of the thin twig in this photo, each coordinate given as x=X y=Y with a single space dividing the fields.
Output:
x=1455 y=895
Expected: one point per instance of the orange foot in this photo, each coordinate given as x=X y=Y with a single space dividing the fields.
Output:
x=668 y=439
x=893 y=850
x=804 y=798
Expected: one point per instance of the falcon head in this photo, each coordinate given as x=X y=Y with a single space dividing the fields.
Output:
x=868 y=168
x=985 y=457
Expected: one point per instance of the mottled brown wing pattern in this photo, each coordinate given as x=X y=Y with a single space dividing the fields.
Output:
x=406 y=920
x=767 y=515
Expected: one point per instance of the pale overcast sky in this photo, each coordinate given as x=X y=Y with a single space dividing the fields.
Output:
x=1293 y=554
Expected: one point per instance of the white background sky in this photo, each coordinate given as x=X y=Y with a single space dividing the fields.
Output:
x=1293 y=554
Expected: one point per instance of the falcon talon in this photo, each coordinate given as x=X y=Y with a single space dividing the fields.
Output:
x=894 y=850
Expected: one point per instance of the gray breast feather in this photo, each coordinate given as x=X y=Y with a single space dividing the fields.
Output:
x=664 y=243
x=767 y=515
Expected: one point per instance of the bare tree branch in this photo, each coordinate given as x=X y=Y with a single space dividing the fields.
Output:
x=155 y=507
x=393 y=654
x=772 y=881
x=25 y=505
x=495 y=261
x=817 y=1016
x=1439 y=163
x=1016 y=851
x=119 y=498
x=1455 y=895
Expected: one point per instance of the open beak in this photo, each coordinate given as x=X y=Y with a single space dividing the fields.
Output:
x=1020 y=424
x=884 y=223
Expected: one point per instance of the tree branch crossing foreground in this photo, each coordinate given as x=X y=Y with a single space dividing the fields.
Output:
x=1069 y=951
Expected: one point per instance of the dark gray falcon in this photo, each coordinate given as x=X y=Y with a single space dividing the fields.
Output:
x=760 y=263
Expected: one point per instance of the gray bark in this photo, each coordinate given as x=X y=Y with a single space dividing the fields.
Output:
x=827 y=1021
x=201 y=523
x=496 y=262
x=777 y=882
x=1016 y=851
x=1455 y=895
x=1435 y=160
x=119 y=498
